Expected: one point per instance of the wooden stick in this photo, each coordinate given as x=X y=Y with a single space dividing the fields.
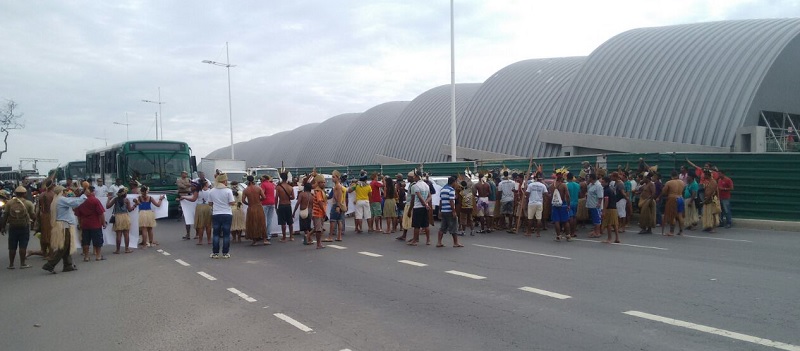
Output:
x=522 y=191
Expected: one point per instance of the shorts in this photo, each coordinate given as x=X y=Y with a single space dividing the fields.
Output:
x=681 y=205
x=400 y=208
x=507 y=207
x=573 y=210
x=92 y=236
x=419 y=218
x=376 y=209
x=18 y=238
x=490 y=208
x=594 y=213
x=335 y=215
x=363 y=210
x=535 y=211
x=622 y=205
x=483 y=206
x=318 y=221
x=305 y=224
x=448 y=223
x=560 y=214
x=285 y=215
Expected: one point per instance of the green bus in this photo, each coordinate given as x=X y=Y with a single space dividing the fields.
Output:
x=75 y=170
x=155 y=163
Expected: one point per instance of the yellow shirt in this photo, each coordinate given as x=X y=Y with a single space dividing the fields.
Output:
x=362 y=192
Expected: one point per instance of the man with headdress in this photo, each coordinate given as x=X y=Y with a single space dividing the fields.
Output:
x=320 y=204
x=63 y=230
x=647 y=206
x=43 y=212
x=18 y=214
x=560 y=202
x=482 y=193
x=586 y=169
x=221 y=198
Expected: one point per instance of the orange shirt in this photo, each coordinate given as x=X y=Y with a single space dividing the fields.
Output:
x=320 y=204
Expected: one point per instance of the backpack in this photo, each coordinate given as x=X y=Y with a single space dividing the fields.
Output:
x=557 y=202
x=18 y=213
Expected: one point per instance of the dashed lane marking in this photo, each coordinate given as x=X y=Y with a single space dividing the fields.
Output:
x=715 y=331
x=413 y=263
x=336 y=247
x=293 y=322
x=724 y=239
x=370 y=254
x=525 y=252
x=206 y=275
x=242 y=295
x=182 y=262
x=545 y=293
x=163 y=252
x=621 y=244
x=468 y=275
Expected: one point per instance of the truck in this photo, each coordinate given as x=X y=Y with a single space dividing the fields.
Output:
x=258 y=171
x=235 y=169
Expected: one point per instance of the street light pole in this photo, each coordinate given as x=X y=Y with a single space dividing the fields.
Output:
x=227 y=65
x=159 y=117
x=453 y=157
x=126 y=124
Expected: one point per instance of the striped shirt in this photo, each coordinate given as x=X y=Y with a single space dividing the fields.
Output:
x=446 y=194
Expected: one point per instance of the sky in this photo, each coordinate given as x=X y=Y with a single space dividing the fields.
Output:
x=79 y=70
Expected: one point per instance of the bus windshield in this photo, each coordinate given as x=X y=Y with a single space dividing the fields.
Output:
x=76 y=170
x=157 y=169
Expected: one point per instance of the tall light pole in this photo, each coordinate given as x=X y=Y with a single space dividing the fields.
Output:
x=127 y=125
x=453 y=157
x=227 y=65
x=159 y=122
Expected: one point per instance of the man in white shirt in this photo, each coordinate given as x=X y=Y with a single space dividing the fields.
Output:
x=114 y=188
x=506 y=190
x=421 y=198
x=221 y=198
x=535 y=191
x=100 y=189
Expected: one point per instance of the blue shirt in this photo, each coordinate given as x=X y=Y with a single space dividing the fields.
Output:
x=492 y=191
x=574 y=192
x=447 y=194
x=64 y=208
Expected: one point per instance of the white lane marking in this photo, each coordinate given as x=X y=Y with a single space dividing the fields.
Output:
x=182 y=262
x=370 y=254
x=525 y=252
x=293 y=322
x=468 y=275
x=336 y=246
x=413 y=263
x=242 y=295
x=545 y=293
x=159 y=250
x=716 y=331
x=206 y=275
x=725 y=239
x=345 y=350
x=631 y=245
x=165 y=253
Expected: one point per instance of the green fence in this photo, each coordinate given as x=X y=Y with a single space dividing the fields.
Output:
x=765 y=185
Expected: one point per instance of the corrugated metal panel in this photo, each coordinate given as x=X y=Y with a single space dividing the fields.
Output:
x=424 y=124
x=689 y=83
x=367 y=135
x=508 y=110
x=286 y=146
x=321 y=147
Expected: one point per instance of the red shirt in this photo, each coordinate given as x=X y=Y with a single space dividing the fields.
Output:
x=91 y=213
x=269 y=193
x=726 y=183
x=376 y=191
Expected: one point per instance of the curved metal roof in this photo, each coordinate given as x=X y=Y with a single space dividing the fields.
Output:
x=320 y=149
x=367 y=134
x=424 y=125
x=508 y=110
x=286 y=146
x=689 y=84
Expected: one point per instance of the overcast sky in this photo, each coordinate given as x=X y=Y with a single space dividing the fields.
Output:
x=76 y=67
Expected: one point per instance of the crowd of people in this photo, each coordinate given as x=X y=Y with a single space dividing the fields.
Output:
x=495 y=200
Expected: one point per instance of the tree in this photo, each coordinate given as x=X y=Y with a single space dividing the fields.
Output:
x=10 y=119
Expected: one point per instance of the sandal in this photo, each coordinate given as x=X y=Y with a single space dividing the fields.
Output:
x=439 y=245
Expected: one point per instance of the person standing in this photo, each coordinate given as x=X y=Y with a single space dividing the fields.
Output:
x=320 y=204
x=120 y=218
x=710 y=217
x=256 y=224
x=268 y=204
x=238 y=224
x=363 y=193
x=61 y=239
x=535 y=193
x=43 y=211
x=447 y=206
x=647 y=206
x=375 y=200
x=184 y=185
x=285 y=194
x=690 y=195
x=674 y=206
x=610 y=215
x=467 y=205
x=560 y=208
x=724 y=188
x=390 y=206
x=221 y=198
x=420 y=198
x=594 y=204
x=147 y=217
x=482 y=190
x=91 y=215
x=506 y=190
x=202 y=213
x=574 y=190
x=18 y=215
x=304 y=203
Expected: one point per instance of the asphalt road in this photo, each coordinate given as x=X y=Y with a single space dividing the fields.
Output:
x=733 y=290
